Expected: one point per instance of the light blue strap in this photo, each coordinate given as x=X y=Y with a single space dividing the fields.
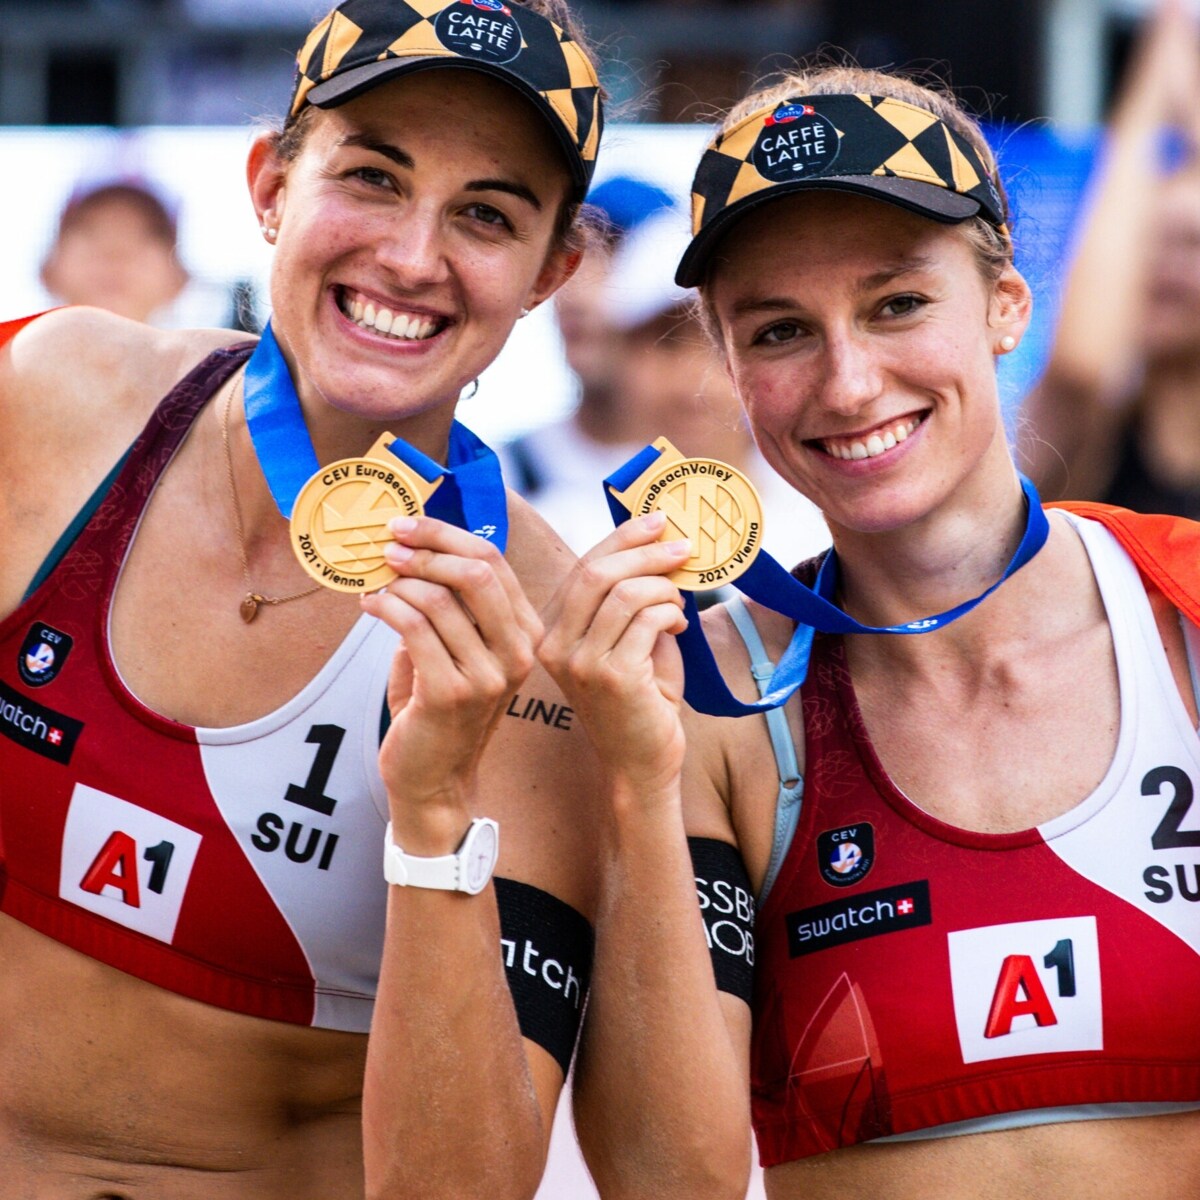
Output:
x=791 y=782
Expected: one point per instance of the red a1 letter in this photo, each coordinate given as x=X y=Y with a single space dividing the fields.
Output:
x=116 y=866
x=1018 y=974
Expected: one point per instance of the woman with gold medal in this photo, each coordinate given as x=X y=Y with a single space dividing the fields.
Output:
x=207 y=756
x=967 y=820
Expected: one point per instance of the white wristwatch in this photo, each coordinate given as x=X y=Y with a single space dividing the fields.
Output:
x=468 y=869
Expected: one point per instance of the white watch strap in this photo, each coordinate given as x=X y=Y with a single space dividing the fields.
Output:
x=447 y=872
x=407 y=870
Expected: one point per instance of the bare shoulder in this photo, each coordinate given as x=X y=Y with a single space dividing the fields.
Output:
x=76 y=388
x=94 y=374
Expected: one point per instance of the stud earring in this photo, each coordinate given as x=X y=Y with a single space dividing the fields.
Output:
x=524 y=313
x=269 y=232
x=1008 y=342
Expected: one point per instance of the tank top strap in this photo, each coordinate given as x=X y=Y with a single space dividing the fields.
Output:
x=89 y=565
x=791 y=782
x=1141 y=660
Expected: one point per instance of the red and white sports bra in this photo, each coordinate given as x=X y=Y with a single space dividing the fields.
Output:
x=915 y=979
x=238 y=866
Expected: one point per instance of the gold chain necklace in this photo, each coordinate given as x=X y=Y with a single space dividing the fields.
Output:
x=249 y=605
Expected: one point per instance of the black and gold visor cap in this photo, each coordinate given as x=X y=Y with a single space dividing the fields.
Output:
x=873 y=145
x=363 y=43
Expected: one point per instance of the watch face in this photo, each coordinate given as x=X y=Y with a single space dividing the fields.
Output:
x=481 y=857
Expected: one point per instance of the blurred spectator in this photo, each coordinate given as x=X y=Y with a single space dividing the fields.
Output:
x=586 y=445
x=646 y=368
x=116 y=249
x=1116 y=416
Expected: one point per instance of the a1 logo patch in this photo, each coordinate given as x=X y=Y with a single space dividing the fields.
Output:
x=1032 y=987
x=125 y=863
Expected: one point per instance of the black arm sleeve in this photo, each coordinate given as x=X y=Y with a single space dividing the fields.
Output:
x=547 y=949
x=727 y=906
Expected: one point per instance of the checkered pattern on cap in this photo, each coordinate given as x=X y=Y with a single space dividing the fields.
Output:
x=353 y=43
x=884 y=147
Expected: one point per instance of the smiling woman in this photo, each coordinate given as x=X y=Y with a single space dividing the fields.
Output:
x=208 y=755
x=972 y=970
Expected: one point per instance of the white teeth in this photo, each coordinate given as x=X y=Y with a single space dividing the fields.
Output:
x=409 y=327
x=875 y=445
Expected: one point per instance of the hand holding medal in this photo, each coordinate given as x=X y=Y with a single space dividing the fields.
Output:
x=339 y=513
x=708 y=502
x=724 y=524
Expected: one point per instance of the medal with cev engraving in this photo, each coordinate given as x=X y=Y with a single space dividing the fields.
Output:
x=708 y=502
x=339 y=523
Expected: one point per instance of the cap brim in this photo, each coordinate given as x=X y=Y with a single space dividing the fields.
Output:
x=348 y=84
x=925 y=199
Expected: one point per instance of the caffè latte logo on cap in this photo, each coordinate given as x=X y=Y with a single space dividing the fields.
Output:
x=482 y=29
x=796 y=142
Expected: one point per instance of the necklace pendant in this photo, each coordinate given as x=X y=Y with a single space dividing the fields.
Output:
x=249 y=607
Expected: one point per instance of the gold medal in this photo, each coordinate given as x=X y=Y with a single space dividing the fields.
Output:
x=708 y=502
x=340 y=518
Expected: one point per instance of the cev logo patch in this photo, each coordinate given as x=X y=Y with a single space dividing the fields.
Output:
x=125 y=863
x=1031 y=987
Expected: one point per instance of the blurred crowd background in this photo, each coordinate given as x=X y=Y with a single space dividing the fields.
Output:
x=213 y=62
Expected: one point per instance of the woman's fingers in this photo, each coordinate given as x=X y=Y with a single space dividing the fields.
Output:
x=478 y=583
x=438 y=633
x=468 y=566
x=469 y=631
x=631 y=662
x=626 y=606
x=631 y=551
x=432 y=549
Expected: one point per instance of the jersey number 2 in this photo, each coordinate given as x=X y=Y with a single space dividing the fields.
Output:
x=1168 y=835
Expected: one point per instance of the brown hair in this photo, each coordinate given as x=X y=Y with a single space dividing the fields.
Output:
x=992 y=247
x=158 y=217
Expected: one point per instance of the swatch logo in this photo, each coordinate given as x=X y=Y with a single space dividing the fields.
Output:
x=888 y=910
x=37 y=728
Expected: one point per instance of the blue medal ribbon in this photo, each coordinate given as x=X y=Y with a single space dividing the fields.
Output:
x=472 y=493
x=812 y=609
